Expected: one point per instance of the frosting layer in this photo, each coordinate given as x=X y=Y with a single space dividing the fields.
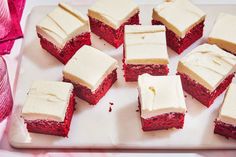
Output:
x=208 y=65
x=160 y=95
x=228 y=109
x=113 y=13
x=47 y=100
x=223 y=33
x=89 y=67
x=179 y=16
x=145 y=45
x=62 y=24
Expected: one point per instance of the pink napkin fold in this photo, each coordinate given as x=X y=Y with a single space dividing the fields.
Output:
x=16 y=9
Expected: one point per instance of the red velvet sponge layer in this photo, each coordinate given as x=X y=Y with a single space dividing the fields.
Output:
x=70 y=48
x=201 y=93
x=179 y=44
x=94 y=97
x=53 y=127
x=132 y=71
x=112 y=36
x=163 y=122
x=226 y=130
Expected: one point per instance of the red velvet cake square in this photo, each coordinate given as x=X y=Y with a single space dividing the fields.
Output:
x=206 y=72
x=92 y=73
x=108 y=18
x=225 y=124
x=63 y=31
x=161 y=102
x=184 y=23
x=223 y=33
x=49 y=108
x=144 y=51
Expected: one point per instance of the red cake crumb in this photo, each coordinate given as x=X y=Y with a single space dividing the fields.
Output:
x=112 y=36
x=180 y=44
x=226 y=130
x=201 y=93
x=70 y=48
x=93 y=98
x=110 y=109
x=111 y=104
x=53 y=127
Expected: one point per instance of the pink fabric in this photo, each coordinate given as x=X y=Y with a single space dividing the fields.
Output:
x=16 y=9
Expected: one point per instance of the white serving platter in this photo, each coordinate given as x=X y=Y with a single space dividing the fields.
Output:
x=95 y=127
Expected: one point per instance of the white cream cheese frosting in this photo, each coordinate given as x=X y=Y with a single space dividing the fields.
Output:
x=145 y=45
x=62 y=24
x=160 y=94
x=89 y=67
x=208 y=65
x=47 y=100
x=223 y=33
x=179 y=16
x=113 y=12
x=228 y=110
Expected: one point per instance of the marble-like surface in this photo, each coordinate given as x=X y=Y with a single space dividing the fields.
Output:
x=117 y=133
x=12 y=61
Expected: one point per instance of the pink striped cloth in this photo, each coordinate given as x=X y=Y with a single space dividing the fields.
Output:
x=16 y=9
